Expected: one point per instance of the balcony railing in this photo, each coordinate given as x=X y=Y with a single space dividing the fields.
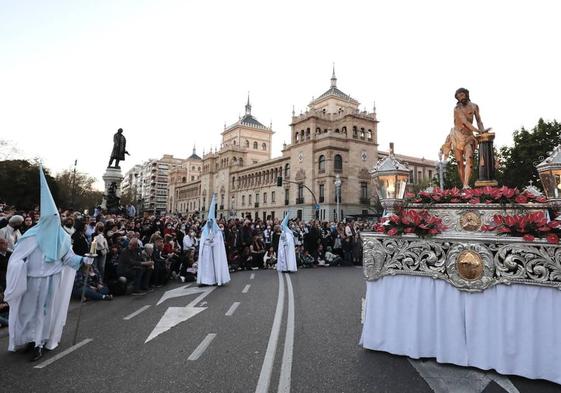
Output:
x=299 y=201
x=365 y=201
x=286 y=203
x=321 y=199
x=221 y=207
x=256 y=204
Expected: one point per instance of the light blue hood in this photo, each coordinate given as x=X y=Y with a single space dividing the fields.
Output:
x=53 y=241
x=211 y=220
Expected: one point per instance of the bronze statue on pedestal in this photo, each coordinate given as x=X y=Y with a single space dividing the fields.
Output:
x=119 y=149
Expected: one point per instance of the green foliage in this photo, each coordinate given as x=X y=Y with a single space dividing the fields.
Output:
x=77 y=192
x=451 y=177
x=19 y=184
x=19 y=187
x=518 y=163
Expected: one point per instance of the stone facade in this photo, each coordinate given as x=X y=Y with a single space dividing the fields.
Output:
x=333 y=137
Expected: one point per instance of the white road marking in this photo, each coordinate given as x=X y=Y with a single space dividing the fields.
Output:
x=181 y=291
x=232 y=309
x=246 y=288
x=444 y=378
x=286 y=366
x=202 y=347
x=134 y=314
x=175 y=315
x=64 y=353
x=267 y=368
x=252 y=276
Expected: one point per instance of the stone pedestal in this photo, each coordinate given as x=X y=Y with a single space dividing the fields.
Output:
x=486 y=162
x=112 y=195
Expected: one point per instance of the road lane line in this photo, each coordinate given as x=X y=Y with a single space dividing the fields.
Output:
x=232 y=309
x=202 y=347
x=64 y=353
x=252 y=276
x=134 y=314
x=286 y=367
x=268 y=362
x=246 y=288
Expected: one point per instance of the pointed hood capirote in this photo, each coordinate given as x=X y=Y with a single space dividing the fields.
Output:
x=284 y=223
x=53 y=241
x=211 y=225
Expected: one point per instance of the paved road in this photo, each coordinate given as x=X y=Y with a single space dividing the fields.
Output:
x=253 y=335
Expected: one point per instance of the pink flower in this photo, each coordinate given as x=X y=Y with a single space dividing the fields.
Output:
x=392 y=232
x=528 y=237
x=552 y=238
x=409 y=230
x=521 y=199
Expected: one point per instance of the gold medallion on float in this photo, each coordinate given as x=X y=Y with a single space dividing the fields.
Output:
x=470 y=221
x=470 y=265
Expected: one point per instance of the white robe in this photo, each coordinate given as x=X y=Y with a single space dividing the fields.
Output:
x=38 y=294
x=212 y=264
x=286 y=255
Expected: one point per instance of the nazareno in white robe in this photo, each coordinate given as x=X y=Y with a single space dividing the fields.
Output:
x=286 y=254
x=38 y=294
x=212 y=266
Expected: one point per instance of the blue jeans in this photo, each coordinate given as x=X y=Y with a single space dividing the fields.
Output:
x=3 y=319
x=91 y=294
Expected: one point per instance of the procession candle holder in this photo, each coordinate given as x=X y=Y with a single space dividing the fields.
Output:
x=550 y=176
x=390 y=179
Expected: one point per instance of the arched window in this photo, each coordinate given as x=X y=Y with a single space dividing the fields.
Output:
x=344 y=130
x=264 y=146
x=337 y=130
x=301 y=135
x=321 y=164
x=362 y=133
x=369 y=135
x=287 y=170
x=246 y=143
x=355 y=132
x=255 y=145
x=338 y=163
x=234 y=142
x=307 y=134
x=296 y=137
x=184 y=179
x=318 y=130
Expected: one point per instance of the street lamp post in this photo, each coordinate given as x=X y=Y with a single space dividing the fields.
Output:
x=338 y=195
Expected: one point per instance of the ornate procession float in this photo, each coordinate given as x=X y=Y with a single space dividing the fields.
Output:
x=472 y=276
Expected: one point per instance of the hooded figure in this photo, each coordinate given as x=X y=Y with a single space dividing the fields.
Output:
x=212 y=264
x=286 y=255
x=39 y=280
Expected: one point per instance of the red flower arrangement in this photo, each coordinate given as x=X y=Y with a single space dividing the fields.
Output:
x=528 y=226
x=502 y=195
x=421 y=223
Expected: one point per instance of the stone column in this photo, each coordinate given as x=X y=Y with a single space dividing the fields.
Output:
x=112 y=178
x=486 y=163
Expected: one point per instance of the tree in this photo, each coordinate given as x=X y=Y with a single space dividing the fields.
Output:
x=19 y=184
x=518 y=163
x=77 y=193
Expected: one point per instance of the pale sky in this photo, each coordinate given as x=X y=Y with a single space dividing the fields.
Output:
x=171 y=73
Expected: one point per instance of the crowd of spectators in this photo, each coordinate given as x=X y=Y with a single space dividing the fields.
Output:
x=138 y=253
